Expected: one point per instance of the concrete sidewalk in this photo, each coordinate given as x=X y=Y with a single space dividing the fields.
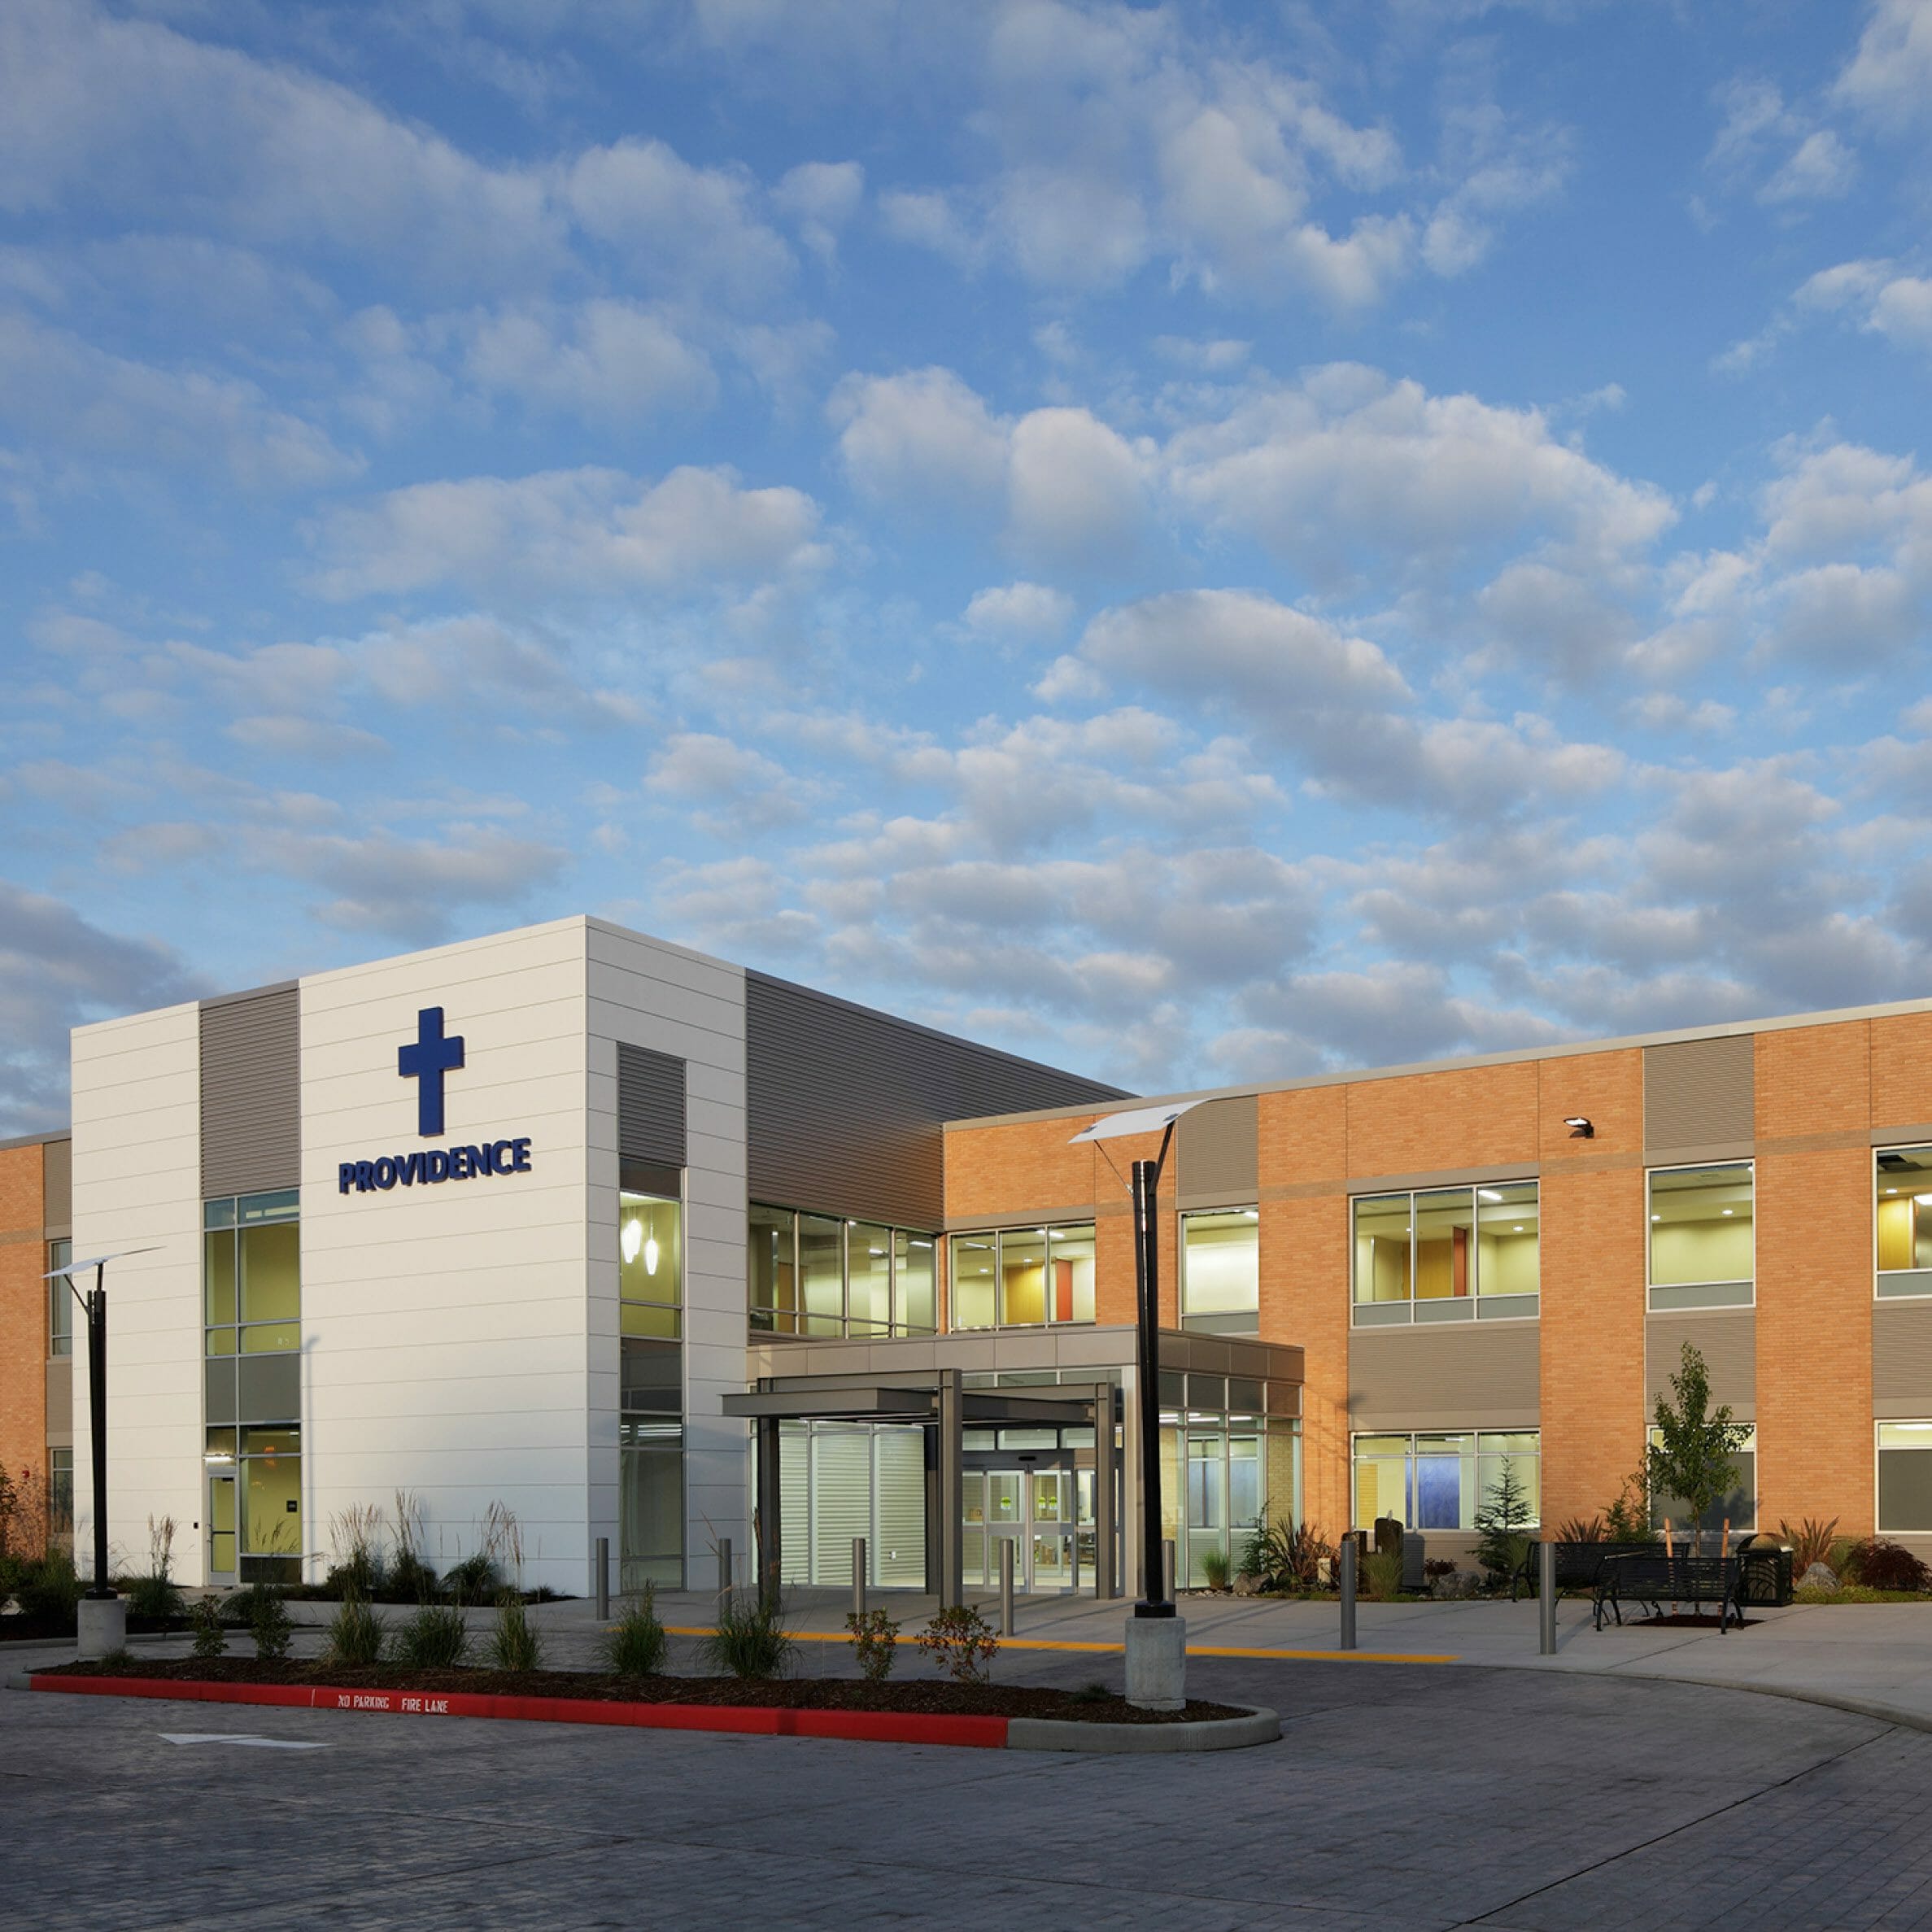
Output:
x=1875 y=1658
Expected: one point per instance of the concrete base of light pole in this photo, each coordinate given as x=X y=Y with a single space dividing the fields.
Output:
x=1157 y=1663
x=103 y=1626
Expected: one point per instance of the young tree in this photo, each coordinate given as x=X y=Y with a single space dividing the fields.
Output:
x=1503 y=1524
x=1691 y=1460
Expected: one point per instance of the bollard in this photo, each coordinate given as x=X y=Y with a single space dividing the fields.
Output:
x=1350 y=1549
x=724 y=1568
x=603 y=1579
x=1006 y=1551
x=1167 y=1571
x=858 y=1576
x=1546 y=1599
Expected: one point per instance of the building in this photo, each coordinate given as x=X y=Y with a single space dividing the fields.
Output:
x=646 y=1247
x=36 y=1325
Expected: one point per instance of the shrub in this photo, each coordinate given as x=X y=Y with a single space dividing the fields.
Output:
x=473 y=1581
x=211 y=1639
x=1879 y=1564
x=1283 y=1555
x=49 y=1590
x=155 y=1597
x=873 y=1637
x=1382 y=1575
x=1811 y=1541
x=1214 y=1566
x=269 y=1624
x=515 y=1641
x=1838 y=1559
x=1582 y=1529
x=410 y=1579
x=1436 y=1568
x=355 y=1633
x=435 y=1638
x=353 y=1541
x=961 y=1643
x=751 y=1639
x=636 y=1646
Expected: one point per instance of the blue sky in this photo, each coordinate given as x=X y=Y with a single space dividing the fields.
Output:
x=1196 y=542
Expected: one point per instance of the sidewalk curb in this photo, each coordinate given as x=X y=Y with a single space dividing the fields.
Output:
x=869 y=1727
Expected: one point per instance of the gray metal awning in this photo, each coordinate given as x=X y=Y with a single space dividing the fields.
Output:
x=811 y=1400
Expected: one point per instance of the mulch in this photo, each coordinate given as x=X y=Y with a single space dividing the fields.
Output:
x=921 y=1697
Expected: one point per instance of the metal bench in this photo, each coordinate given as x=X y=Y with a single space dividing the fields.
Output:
x=1577 y=1565
x=1656 y=1579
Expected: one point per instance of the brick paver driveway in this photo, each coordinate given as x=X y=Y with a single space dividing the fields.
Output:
x=1399 y=1797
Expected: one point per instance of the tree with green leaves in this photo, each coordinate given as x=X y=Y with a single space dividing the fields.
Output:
x=1692 y=1458
x=1502 y=1523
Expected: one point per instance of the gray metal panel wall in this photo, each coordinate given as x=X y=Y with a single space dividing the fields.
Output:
x=250 y=1093
x=60 y=1400
x=1219 y=1150
x=1728 y=1340
x=650 y=1106
x=844 y=1104
x=57 y=1186
x=1699 y=1092
x=1901 y=1359
x=1462 y=1374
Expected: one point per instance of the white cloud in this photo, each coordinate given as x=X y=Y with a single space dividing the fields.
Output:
x=821 y=196
x=1019 y=613
x=1822 y=168
x=86 y=403
x=1890 y=77
x=1075 y=488
x=606 y=358
x=924 y=433
x=588 y=532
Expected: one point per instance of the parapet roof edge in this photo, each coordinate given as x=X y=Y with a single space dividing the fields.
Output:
x=39 y=1140
x=1564 y=1050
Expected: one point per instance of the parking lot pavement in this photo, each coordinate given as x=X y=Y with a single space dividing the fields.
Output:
x=1400 y=1796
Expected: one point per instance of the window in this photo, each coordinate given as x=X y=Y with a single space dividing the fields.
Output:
x=1447 y=1255
x=1440 y=1481
x=60 y=1300
x=1023 y=1277
x=650 y=1265
x=1230 y=1456
x=251 y=1274
x=1904 y=1477
x=1220 y=1272
x=1738 y=1508
x=817 y=1275
x=1702 y=1250
x=60 y=1492
x=1903 y=1180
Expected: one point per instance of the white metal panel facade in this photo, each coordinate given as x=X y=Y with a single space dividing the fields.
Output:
x=137 y=1184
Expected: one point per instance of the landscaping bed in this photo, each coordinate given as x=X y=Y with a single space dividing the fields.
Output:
x=909 y=1697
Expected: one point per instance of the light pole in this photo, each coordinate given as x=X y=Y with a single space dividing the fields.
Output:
x=104 y=1619
x=1157 y=1638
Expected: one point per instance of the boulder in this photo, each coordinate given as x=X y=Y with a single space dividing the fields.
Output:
x=1819 y=1577
x=1458 y=1583
x=1247 y=1585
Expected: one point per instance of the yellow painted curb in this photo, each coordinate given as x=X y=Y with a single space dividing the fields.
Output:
x=1194 y=1650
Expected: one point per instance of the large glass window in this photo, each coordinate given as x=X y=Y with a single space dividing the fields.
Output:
x=1023 y=1277
x=1737 y=1507
x=1903 y=1181
x=1904 y=1478
x=60 y=1300
x=816 y=1275
x=1440 y=1480
x=1703 y=1251
x=1220 y=1270
x=271 y=1504
x=251 y=1274
x=60 y=1492
x=1447 y=1255
x=1230 y=1456
x=650 y=1265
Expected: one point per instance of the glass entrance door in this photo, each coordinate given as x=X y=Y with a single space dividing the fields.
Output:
x=1031 y=1508
x=221 y=1529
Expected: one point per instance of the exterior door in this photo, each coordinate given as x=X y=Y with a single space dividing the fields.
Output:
x=221 y=1529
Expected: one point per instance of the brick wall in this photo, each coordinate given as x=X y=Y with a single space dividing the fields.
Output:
x=22 y=1312
x=1304 y=1278
x=1814 y=1278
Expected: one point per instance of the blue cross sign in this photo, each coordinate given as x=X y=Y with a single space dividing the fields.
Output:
x=425 y=1061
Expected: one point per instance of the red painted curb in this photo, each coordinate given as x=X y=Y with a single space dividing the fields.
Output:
x=873 y=1727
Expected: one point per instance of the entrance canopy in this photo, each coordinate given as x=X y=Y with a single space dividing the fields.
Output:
x=819 y=1398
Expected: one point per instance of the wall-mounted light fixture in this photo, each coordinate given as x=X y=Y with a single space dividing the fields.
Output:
x=1580 y=1128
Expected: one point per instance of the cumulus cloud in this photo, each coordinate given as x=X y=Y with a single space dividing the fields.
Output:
x=607 y=358
x=59 y=969
x=821 y=196
x=1019 y=613
x=577 y=532
x=1888 y=76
